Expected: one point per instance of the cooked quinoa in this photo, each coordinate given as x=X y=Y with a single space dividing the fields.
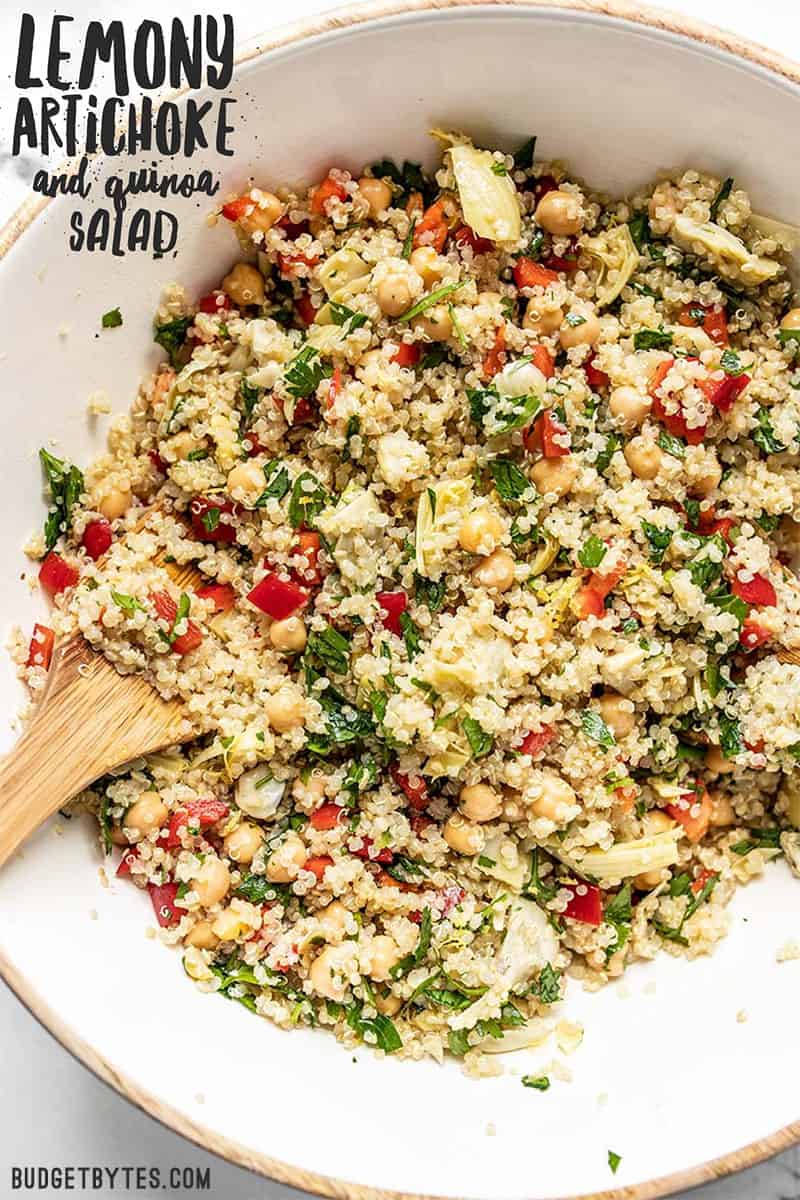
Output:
x=493 y=672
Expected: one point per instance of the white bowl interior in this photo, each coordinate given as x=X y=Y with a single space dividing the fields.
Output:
x=667 y=1075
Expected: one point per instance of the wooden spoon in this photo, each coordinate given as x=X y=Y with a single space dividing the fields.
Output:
x=88 y=720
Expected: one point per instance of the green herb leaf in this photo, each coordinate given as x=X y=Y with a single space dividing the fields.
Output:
x=652 y=339
x=417 y=955
x=430 y=592
x=499 y=168
x=347 y=318
x=639 y=227
x=172 y=337
x=410 y=635
x=603 y=460
x=540 y=1082
x=250 y=397
x=330 y=648
x=128 y=604
x=729 y=603
x=305 y=372
x=730 y=736
x=658 y=540
x=510 y=482
x=759 y=839
x=112 y=319
x=547 y=987
x=764 y=435
x=523 y=157
x=307 y=501
x=595 y=728
x=614 y=1160
x=277 y=480
x=481 y=743
x=408 y=244
x=508 y=412
x=430 y=300
x=720 y=198
x=592 y=552
x=65 y=483
x=731 y=363
x=673 y=445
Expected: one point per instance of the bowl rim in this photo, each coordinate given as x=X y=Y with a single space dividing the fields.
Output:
x=342 y=19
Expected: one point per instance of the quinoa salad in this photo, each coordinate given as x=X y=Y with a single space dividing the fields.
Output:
x=491 y=668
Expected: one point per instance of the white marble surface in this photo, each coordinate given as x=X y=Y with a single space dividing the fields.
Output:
x=52 y=1111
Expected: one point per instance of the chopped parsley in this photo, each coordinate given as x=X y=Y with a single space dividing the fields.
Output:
x=277 y=480
x=307 y=501
x=112 y=319
x=430 y=592
x=671 y=444
x=172 y=337
x=547 y=988
x=523 y=157
x=764 y=435
x=507 y=412
x=430 y=300
x=614 y=1160
x=683 y=887
x=759 y=839
x=658 y=540
x=639 y=227
x=595 y=728
x=509 y=481
x=652 y=339
x=411 y=636
x=417 y=955
x=346 y=318
x=720 y=198
x=480 y=742
x=539 y=1082
x=66 y=484
x=730 y=736
x=603 y=460
x=592 y=552
x=305 y=372
x=330 y=648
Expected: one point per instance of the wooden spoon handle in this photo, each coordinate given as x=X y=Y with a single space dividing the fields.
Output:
x=89 y=720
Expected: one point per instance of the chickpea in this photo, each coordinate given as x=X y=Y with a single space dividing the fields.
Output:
x=541 y=320
x=286 y=861
x=722 y=813
x=333 y=919
x=495 y=572
x=646 y=880
x=393 y=295
x=388 y=1005
x=584 y=334
x=555 y=476
x=480 y=532
x=268 y=209
x=708 y=476
x=435 y=323
x=246 y=482
x=479 y=803
x=557 y=800
x=243 y=843
x=559 y=212
x=202 y=936
x=377 y=194
x=329 y=972
x=288 y=634
x=618 y=713
x=462 y=835
x=183 y=444
x=285 y=709
x=791 y=320
x=145 y=815
x=643 y=457
x=428 y=265
x=245 y=285
x=629 y=407
x=385 y=954
x=717 y=762
x=115 y=503
x=212 y=882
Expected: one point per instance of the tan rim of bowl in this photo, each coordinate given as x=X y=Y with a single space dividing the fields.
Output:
x=323 y=1185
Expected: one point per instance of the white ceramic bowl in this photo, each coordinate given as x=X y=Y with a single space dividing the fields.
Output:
x=667 y=1076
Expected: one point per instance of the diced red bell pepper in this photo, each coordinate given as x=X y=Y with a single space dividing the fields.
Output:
x=494 y=361
x=753 y=635
x=408 y=354
x=329 y=189
x=431 y=229
x=288 y=263
x=528 y=274
x=695 y=824
x=533 y=743
x=157 y=461
x=56 y=574
x=543 y=359
x=756 y=747
x=541 y=186
x=129 y=857
x=40 y=650
x=591 y=597
x=167 y=610
x=419 y=823
x=384 y=879
x=674 y=423
x=564 y=262
x=414 y=787
x=318 y=864
x=596 y=378
x=214 y=302
x=757 y=590
x=277 y=597
x=165 y=904
x=308 y=545
x=335 y=386
x=195 y=817
x=305 y=309
x=714 y=321
x=709 y=523
x=221 y=595
x=384 y=856
x=97 y=537
x=238 y=208
x=722 y=393
x=467 y=237
x=585 y=905
x=206 y=512
x=304 y=411
x=548 y=435
x=327 y=816
x=393 y=605
x=702 y=879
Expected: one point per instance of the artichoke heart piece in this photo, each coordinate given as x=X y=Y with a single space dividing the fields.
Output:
x=625 y=859
x=343 y=274
x=725 y=249
x=488 y=196
x=438 y=513
x=618 y=258
x=787 y=236
x=503 y=859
